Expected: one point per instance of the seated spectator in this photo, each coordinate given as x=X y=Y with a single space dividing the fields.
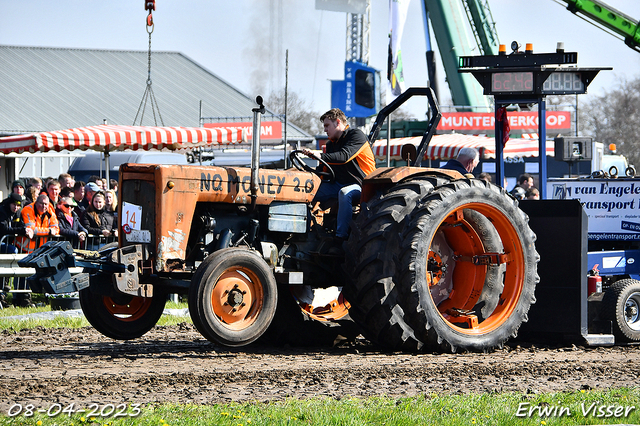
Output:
x=41 y=218
x=11 y=222
x=70 y=227
x=98 y=221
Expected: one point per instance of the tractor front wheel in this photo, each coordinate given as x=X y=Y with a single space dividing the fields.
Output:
x=233 y=297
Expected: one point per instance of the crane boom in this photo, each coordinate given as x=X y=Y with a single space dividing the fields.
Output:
x=483 y=25
x=450 y=28
x=606 y=16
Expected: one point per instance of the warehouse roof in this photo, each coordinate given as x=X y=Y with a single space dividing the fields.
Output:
x=45 y=88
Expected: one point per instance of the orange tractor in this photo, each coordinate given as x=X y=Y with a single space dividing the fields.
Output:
x=434 y=261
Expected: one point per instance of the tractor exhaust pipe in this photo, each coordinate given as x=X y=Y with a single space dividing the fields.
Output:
x=255 y=150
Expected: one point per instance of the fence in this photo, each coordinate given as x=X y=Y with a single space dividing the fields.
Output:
x=15 y=278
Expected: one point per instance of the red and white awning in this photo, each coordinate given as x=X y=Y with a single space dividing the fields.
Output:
x=445 y=147
x=116 y=138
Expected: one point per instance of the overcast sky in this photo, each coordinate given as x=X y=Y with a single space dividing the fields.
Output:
x=243 y=41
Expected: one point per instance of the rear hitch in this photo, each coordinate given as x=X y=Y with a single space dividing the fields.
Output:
x=52 y=262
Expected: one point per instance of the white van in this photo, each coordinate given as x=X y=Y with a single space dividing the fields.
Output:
x=93 y=162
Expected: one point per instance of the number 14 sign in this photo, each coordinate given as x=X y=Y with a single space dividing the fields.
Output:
x=131 y=215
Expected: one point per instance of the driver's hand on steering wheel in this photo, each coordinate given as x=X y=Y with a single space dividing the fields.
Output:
x=307 y=152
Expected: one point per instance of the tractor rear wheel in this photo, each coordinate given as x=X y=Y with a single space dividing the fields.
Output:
x=468 y=267
x=621 y=305
x=122 y=317
x=233 y=297
x=372 y=265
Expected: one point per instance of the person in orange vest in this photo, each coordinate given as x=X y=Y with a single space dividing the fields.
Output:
x=350 y=156
x=41 y=217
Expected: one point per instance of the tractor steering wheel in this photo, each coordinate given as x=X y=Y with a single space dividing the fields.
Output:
x=298 y=163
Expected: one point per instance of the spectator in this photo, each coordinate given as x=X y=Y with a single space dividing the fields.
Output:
x=11 y=225
x=37 y=183
x=525 y=181
x=33 y=190
x=97 y=180
x=70 y=227
x=464 y=163
x=41 y=218
x=485 y=176
x=96 y=220
x=532 y=194
x=18 y=187
x=104 y=184
x=114 y=185
x=53 y=191
x=89 y=189
x=111 y=205
x=66 y=181
x=78 y=193
x=11 y=222
x=31 y=194
x=66 y=192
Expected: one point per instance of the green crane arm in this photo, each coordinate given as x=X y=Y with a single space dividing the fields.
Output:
x=449 y=22
x=606 y=16
x=483 y=25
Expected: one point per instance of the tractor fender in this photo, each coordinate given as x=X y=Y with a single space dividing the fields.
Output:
x=383 y=178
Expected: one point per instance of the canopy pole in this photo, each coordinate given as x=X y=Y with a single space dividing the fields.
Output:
x=107 y=167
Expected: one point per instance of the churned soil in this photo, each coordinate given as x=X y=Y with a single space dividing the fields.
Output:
x=175 y=364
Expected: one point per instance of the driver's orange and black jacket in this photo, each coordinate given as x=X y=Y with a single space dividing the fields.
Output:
x=350 y=157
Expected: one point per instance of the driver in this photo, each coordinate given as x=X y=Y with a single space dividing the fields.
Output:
x=350 y=156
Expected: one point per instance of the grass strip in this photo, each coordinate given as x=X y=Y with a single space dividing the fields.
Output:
x=12 y=325
x=617 y=406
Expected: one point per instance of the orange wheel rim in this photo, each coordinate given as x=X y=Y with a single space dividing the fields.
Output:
x=237 y=298
x=333 y=311
x=468 y=279
x=135 y=309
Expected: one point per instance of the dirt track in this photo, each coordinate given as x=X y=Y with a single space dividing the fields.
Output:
x=43 y=367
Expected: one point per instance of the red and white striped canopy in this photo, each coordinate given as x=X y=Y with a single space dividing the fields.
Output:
x=445 y=147
x=113 y=138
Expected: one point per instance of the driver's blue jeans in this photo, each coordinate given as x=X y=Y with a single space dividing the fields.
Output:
x=346 y=195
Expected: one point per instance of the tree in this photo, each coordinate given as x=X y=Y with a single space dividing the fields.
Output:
x=613 y=118
x=298 y=112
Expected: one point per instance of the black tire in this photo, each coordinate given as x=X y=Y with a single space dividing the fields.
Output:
x=372 y=265
x=219 y=289
x=621 y=305
x=449 y=299
x=123 y=317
